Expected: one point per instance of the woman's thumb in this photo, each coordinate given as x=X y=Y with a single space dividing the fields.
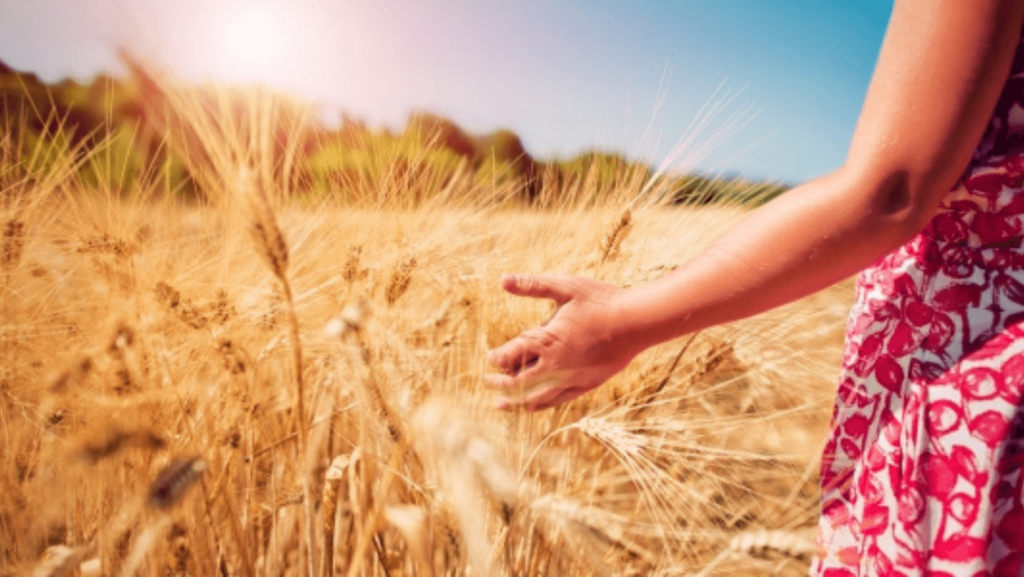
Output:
x=538 y=286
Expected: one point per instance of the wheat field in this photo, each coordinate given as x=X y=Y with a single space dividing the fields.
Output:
x=258 y=383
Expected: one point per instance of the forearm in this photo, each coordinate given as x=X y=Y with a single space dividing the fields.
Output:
x=805 y=240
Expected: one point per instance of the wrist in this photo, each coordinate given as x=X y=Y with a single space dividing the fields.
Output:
x=629 y=326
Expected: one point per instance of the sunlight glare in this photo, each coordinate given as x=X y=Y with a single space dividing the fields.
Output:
x=253 y=42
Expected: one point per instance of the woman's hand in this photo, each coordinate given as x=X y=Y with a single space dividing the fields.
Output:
x=579 y=348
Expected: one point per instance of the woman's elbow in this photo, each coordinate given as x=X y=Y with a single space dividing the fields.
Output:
x=897 y=200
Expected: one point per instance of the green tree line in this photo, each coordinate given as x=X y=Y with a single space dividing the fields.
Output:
x=105 y=129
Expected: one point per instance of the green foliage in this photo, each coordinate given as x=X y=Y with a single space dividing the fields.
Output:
x=41 y=155
x=116 y=164
x=495 y=172
x=698 y=190
x=603 y=172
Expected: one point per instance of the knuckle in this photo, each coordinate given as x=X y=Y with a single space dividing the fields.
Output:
x=509 y=351
x=532 y=334
x=498 y=358
x=541 y=336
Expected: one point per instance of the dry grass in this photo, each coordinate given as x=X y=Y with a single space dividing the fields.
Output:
x=177 y=380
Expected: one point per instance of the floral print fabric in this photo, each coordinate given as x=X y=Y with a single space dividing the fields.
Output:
x=922 y=473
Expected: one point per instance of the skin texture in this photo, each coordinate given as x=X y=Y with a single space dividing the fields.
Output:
x=941 y=68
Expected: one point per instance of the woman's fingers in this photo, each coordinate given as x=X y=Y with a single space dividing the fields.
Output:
x=527 y=360
x=514 y=355
x=521 y=352
x=527 y=389
x=521 y=384
x=500 y=381
x=555 y=287
x=542 y=397
x=563 y=397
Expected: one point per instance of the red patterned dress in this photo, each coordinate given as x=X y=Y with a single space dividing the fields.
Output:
x=922 y=474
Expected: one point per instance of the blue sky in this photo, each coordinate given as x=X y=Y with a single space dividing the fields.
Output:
x=786 y=77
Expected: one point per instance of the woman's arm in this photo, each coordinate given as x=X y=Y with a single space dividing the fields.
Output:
x=939 y=75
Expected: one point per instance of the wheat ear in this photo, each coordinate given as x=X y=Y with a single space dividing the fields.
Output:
x=335 y=486
x=59 y=560
x=613 y=240
x=411 y=522
x=798 y=544
x=401 y=277
x=13 y=244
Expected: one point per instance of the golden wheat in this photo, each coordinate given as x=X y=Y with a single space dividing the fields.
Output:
x=139 y=329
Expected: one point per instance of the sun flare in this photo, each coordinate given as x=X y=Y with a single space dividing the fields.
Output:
x=252 y=44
